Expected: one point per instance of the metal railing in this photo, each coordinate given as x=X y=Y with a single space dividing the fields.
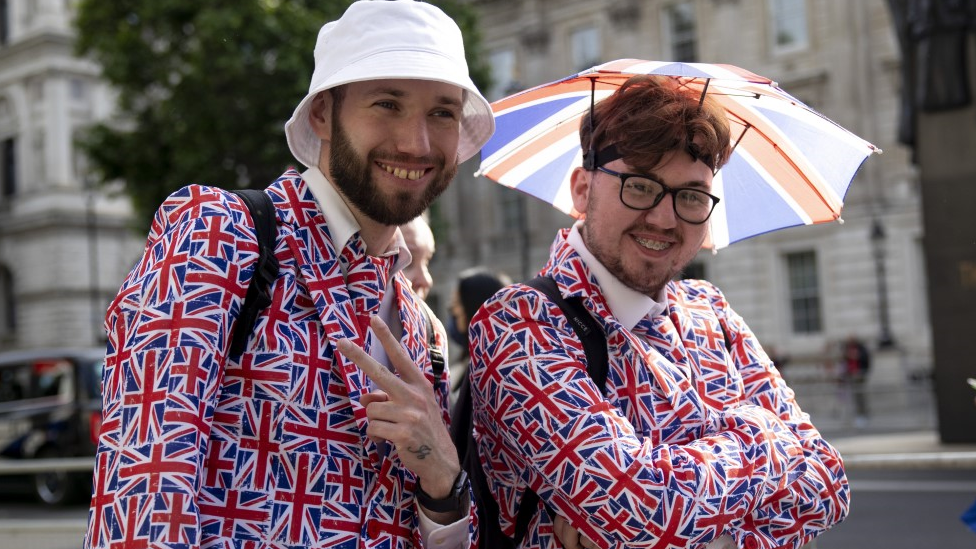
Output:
x=31 y=466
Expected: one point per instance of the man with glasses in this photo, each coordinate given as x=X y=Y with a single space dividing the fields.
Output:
x=694 y=440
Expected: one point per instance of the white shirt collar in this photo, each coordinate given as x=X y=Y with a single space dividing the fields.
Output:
x=627 y=305
x=342 y=224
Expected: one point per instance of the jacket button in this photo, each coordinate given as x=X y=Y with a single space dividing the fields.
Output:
x=750 y=542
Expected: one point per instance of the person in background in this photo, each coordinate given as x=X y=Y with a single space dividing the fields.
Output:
x=420 y=241
x=855 y=363
x=330 y=428
x=474 y=287
x=696 y=440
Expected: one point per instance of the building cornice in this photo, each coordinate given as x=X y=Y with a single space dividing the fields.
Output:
x=58 y=220
x=43 y=41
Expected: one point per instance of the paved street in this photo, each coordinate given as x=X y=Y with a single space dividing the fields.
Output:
x=905 y=508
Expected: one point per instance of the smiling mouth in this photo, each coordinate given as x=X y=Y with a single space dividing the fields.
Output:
x=403 y=173
x=655 y=245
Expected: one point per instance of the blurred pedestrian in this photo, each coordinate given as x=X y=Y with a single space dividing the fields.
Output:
x=856 y=361
x=420 y=243
x=474 y=287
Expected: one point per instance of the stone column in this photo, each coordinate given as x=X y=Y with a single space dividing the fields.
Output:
x=946 y=153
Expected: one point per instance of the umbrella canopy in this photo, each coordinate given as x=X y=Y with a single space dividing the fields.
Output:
x=790 y=164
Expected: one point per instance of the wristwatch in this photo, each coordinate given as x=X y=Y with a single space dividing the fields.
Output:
x=451 y=502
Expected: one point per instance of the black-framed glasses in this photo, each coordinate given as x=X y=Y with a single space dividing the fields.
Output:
x=641 y=192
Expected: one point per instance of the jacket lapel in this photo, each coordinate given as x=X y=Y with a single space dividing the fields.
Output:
x=317 y=260
x=652 y=391
x=705 y=344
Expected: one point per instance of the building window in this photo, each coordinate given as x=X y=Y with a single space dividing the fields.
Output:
x=585 y=47
x=788 y=24
x=509 y=208
x=79 y=90
x=8 y=168
x=4 y=22
x=679 y=20
x=504 y=73
x=804 y=292
x=8 y=316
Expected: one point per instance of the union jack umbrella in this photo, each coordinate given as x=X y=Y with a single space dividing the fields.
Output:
x=790 y=164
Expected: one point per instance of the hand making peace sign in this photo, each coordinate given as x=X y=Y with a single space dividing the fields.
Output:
x=404 y=411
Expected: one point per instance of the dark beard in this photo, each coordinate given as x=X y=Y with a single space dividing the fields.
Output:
x=351 y=175
x=640 y=282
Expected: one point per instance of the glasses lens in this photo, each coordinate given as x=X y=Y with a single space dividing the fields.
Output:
x=692 y=205
x=641 y=193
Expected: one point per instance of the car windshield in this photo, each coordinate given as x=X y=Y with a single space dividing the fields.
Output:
x=91 y=376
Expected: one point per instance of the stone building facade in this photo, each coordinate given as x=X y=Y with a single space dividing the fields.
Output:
x=802 y=289
x=64 y=247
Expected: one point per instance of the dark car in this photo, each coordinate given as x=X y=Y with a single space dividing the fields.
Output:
x=50 y=407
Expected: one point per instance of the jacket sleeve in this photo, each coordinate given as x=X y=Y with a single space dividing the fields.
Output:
x=168 y=331
x=464 y=532
x=820 y=497
x=541 y=424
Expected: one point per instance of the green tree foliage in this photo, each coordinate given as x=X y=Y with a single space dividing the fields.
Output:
x=205 y=87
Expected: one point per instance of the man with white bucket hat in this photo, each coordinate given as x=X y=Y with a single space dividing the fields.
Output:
x=329 y=428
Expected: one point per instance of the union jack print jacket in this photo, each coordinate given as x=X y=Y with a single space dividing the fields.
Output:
x=693 y=440
x=270 y=451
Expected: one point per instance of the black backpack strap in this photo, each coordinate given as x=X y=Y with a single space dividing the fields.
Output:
x=594 y=343
x=595 y=346
x=265 y=272
x=437 y=361
x=586 y=327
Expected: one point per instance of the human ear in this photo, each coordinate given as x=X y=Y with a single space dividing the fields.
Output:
x=320 y=115
x=579 y=188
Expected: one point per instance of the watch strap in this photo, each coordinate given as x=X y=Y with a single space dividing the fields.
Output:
x=451 y=502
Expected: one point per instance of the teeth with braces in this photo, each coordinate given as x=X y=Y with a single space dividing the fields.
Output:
x=656 y=245
x=402 y=173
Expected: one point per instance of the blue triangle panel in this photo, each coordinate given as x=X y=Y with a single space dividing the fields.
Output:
x=752 y=207
x=545 y=182
x=835 y=159
x=514 y=123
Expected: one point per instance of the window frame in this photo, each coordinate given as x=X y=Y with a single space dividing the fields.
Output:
x=777 y=10
x=502 y=87
x=804 y=291
x=581 y=35
x=685 y=38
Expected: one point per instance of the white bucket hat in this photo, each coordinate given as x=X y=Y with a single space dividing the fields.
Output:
x=391 y=39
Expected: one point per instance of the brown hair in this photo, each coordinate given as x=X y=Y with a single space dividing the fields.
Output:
x=650 y=116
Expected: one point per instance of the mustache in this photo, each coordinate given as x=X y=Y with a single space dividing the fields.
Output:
x=654 y=231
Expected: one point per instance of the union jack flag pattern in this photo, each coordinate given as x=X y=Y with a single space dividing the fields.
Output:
x=268 y=449
x=694 y=440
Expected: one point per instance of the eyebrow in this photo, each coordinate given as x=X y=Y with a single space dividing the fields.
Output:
x=695 y=184
x=399 y=92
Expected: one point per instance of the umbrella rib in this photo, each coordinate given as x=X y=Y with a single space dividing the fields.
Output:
x=701 y=100
x=747 y=127
x=796 y=169
x=589 y=157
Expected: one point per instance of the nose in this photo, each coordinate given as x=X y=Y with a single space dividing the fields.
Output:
x=413 y=136
x=663 y=215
